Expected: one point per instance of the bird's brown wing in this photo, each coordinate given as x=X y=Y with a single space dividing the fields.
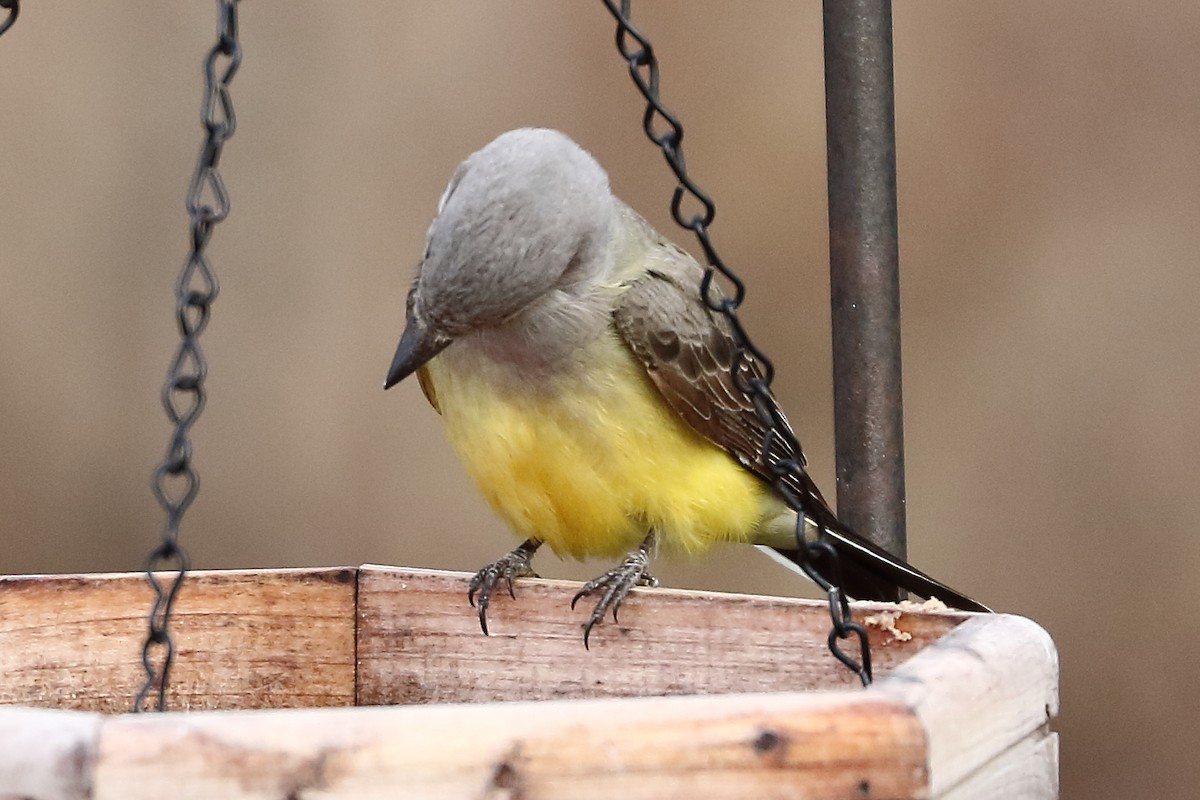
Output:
x=688 y=352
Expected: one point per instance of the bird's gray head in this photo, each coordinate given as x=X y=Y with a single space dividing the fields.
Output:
x=529 y=214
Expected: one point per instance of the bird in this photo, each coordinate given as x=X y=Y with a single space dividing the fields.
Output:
x=588 y=389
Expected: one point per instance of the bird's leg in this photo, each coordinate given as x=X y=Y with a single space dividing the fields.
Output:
x=514 y=565
x=616 y=583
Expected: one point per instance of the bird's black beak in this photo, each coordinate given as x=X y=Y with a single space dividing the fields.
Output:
x=417 y=346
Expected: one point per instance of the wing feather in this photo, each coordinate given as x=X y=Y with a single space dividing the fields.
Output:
x=688 y=352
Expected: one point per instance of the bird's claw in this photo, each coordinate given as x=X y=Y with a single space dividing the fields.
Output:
x=513 y=565
x=616 y=583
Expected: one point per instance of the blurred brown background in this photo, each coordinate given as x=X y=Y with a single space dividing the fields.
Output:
x=1049 y=185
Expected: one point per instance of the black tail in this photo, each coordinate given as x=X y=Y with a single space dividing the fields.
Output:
x=868 y=572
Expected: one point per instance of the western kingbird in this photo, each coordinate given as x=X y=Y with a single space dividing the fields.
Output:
x=587 y=388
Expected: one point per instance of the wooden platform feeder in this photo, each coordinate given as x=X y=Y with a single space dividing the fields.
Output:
x=692 y=695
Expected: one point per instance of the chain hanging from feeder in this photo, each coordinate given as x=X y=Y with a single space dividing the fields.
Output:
x=175 y=481
x=643 y=68
x=14 y=8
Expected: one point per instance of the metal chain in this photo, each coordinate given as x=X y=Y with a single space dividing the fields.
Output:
x=176 y=481
x=14 y=8
x=755 y=383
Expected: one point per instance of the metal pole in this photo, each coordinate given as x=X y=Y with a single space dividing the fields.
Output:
x=864 y=269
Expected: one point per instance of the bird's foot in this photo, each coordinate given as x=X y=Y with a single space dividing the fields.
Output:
x=616 y=583
x=514 y=565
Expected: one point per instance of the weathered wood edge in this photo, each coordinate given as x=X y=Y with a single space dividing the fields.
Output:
x=738 y=746
x=979 y=690
x=379 y=636
x=48 y=754
x=826 y=744
x=1020 y=689
x=244 y=638
x=420 y=642
x=1028 y=771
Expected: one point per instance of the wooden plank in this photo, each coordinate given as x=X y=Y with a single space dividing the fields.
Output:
x=1028 y=771
x=278 y=638
x=254 y=639
x=47 y=755
x=419 y=642
x=979 y=690
x=828 y=745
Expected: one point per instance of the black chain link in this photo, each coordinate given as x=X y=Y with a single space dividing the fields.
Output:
x=14 y=8
x=175 y=481
x=752 y=370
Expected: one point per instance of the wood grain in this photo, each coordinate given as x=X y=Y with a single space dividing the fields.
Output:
x=1028 y=770
x=830 y=745
x=980 y=690
x=46 y=754
x=419 y=642
x=255 y=639
x=961 y=708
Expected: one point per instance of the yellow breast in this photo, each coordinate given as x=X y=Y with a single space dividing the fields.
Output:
x=591 y=462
